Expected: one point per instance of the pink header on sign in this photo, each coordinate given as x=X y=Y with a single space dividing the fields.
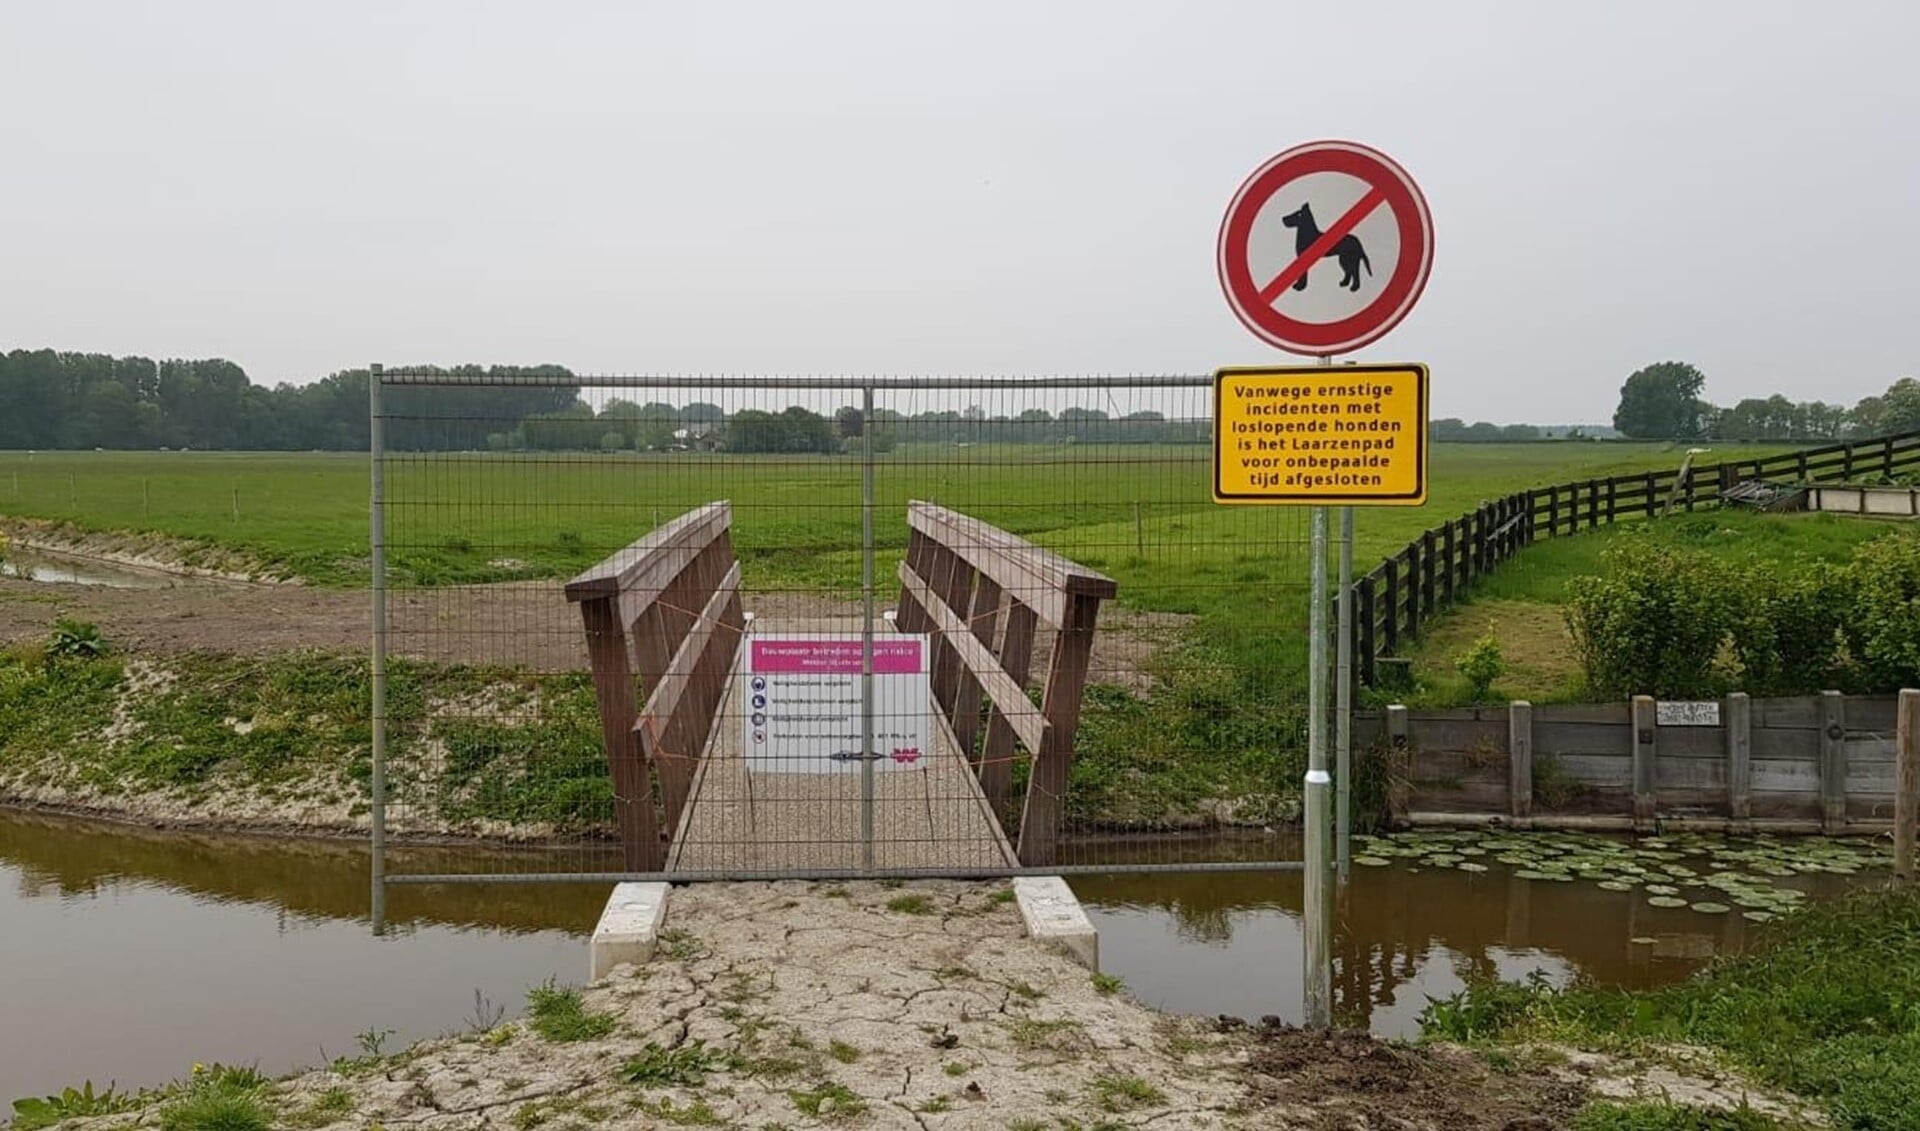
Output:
x=835 y=657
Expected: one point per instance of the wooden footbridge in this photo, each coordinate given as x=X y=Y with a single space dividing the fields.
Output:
x=667 y=623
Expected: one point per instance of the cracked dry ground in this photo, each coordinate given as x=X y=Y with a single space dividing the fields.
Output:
x=920 y=1006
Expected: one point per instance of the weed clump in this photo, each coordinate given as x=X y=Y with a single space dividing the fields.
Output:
x=558 y=1014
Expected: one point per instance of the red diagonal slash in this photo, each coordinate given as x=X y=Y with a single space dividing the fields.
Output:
x=1322 y=246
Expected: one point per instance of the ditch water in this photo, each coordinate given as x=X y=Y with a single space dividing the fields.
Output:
x=126 y=954
x=62 y=569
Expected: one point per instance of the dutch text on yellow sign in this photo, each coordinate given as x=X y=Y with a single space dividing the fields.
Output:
x=1342 y=435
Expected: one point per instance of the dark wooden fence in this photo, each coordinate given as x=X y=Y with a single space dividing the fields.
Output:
x=1392 y=602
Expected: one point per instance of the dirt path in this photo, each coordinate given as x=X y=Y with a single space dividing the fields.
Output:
x=518 y=624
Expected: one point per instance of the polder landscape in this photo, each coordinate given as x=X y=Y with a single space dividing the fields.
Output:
x=185 y=634
x=784 y=567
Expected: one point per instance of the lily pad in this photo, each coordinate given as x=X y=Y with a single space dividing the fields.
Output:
x=1372 y=861
x=1614 y=885
x=1667 y=901
x=1708 y=907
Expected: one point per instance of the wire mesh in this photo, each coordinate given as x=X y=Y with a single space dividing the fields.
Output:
x=627 y=626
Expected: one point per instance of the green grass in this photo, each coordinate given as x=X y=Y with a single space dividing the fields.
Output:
x=558 y=1014
x=1827 y=1006
x=914 y=904
x=828 y=1102
x=685 y=1066
x=797 y=520
x=1124 y=1093
x=1224 y=721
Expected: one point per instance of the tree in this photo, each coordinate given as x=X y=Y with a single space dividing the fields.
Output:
x=1896 y=410
x=1662 y=402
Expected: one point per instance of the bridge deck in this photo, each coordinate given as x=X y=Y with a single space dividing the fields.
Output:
x=932 y=815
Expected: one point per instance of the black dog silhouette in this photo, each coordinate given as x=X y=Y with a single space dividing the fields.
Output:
x=1351 y=255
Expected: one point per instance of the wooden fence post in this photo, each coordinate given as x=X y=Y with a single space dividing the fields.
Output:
x=1906 y=786
x=1393 y=607
x=1447 y=559
x=1365 y=623
x=1739 y=722
x=1413 y=589
x=1644 y=807
x=1520 y=759
x=1833 y=762
x=1399 y=766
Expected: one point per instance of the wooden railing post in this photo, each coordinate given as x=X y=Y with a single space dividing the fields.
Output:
x=1553 y=511
x=633 y=812
x=1066 y=682
x=1448 y=556
x=1016 y=658
x=983 y=619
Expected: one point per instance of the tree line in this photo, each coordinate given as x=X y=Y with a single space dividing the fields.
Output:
x=1663 y=402
x=59 y=400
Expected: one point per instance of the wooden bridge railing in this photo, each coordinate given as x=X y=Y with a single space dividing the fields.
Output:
x=666 y=608
x=962 y=578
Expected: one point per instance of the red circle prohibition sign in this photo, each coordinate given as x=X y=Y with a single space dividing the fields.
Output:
x=1253 y=293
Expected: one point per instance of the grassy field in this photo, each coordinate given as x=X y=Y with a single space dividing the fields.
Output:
x=1225 y=718
x=550 y=514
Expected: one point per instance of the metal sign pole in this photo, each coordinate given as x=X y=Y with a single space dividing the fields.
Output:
x=1343 y=705
x=866 y=634
x=1317 y=918
x=377 y=544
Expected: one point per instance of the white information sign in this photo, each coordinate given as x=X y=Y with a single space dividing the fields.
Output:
x=1681 y=713
x=802 y=709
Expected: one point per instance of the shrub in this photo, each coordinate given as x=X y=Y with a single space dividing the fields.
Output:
x=1653 y=624
x=1883 y=630
x=1785 y=625
x=1482 y=663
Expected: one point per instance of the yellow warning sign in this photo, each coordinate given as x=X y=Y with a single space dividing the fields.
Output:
x=1341 y=435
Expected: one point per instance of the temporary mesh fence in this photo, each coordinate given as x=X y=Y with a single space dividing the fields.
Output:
x=626 y=627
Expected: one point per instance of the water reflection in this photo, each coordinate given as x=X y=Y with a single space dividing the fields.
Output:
x=63 y=570
x=1230 y=942
x=135 y=952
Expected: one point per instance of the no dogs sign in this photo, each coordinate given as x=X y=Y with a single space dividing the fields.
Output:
x=1325 y=248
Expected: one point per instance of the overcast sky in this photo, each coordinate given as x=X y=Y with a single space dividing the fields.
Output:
x=957 y=188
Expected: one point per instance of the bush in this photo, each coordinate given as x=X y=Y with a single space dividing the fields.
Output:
x=1883 y=628
x=1786 y=624
x=1482 y=663
x=1654 y=623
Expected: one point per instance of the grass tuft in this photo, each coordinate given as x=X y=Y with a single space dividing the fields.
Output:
x=558 y=1014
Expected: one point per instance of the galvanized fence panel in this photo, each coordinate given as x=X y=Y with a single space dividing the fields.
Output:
x=606 y=607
